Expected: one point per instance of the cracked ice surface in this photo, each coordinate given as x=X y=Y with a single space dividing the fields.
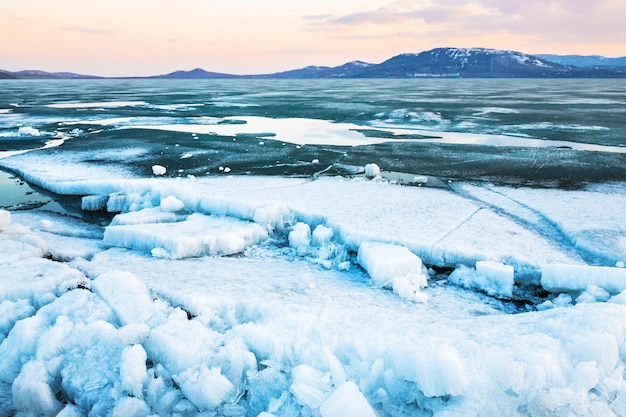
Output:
x=302 y=330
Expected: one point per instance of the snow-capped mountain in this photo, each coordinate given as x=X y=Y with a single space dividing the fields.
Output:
x=474 y=62
x=584 y=60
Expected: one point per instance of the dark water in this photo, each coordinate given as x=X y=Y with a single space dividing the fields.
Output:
x=17 y=194
x=511 y=131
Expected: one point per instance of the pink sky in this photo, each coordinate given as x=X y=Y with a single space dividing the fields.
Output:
x=147 y=37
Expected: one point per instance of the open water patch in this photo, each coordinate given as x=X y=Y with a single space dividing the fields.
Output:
x=16 y=194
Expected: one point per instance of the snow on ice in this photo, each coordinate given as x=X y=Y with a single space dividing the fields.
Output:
x=150 y=315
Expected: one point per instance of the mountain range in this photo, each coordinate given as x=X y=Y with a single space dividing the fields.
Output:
x=584 y=60
x=438 y=62
x=39 y=75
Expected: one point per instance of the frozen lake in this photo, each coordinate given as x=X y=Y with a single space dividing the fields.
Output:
x=234 y=248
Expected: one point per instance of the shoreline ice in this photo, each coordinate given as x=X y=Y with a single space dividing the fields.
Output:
x=298 y=327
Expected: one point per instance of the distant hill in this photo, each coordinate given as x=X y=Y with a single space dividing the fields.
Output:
x=196 y=73
x=438 y=62
x=584 y=61
x=352 y=69
x=39 y=75
x=6 y=75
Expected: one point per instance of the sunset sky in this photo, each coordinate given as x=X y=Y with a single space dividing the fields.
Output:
x=148 y=37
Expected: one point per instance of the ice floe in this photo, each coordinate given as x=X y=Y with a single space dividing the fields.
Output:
x=148 y=315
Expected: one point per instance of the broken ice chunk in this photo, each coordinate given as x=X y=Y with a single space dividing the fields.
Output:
x=561 y=278
x=492 y=278
x=158 y=170
x=94 y=202
x=347 y=400
x=395 y=267
x=372 y=171
x=497 y=278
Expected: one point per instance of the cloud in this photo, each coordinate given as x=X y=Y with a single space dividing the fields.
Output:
x=318 y=18
x=88 y=31
x=399 y=11
x=402 y=11
x=562 y=20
